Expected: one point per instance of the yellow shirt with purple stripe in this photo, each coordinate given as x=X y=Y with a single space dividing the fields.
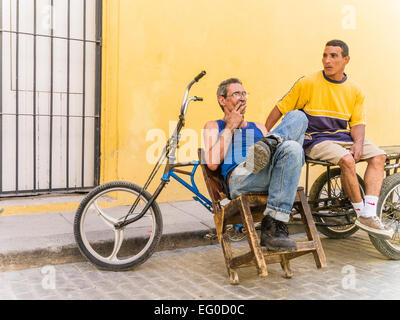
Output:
x=330 y=106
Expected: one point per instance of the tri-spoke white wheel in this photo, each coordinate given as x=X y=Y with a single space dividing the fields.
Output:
x=100 y=239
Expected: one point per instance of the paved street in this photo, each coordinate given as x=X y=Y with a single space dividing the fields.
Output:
x=355 y=271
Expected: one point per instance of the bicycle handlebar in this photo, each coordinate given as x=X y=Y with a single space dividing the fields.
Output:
x=185 y=98
x=199 y=76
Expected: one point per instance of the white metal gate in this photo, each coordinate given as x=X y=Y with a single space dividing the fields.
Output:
x=50 y=78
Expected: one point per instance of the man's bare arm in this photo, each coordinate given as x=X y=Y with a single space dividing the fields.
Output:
x=273 y=118
x=216 y=145
x=358 y=135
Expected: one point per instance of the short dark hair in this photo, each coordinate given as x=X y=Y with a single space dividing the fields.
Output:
x=223 y=88
x=341 y=44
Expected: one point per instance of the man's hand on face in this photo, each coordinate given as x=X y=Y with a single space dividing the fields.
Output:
x=356 y=151
x=235 y=118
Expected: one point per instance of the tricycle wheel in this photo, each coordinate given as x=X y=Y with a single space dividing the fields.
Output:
x=389 y=212
x=337 y=203
x=107 y=246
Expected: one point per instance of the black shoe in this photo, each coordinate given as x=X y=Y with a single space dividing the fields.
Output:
x=260 y=153
x=275 y=235
x=272 y=142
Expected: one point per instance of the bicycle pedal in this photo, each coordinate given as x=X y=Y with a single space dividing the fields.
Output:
x=210 y=236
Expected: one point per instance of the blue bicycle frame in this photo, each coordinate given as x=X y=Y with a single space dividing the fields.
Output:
x=199 y=197
x=192 y=187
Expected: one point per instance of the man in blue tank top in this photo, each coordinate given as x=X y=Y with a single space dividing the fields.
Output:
x=253 y=160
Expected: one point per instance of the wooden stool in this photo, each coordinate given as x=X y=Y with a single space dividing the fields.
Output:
x=247 y=209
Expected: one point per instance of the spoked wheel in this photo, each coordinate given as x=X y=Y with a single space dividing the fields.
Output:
x=114 y=248
x=335 y=203
x=389 y=212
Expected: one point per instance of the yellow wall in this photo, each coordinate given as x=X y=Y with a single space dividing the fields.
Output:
x=152 y=49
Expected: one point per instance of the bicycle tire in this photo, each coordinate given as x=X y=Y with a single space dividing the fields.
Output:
x=315 y=194
x=93 y=251
x=389 y=248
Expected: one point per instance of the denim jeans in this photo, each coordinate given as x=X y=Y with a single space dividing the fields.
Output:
x=280 y=178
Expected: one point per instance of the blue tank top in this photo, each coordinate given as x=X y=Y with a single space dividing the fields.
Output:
x=242 y=139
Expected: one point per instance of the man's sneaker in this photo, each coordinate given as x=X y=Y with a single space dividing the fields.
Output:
x=374 y=226
x=260 y=153
x=275 y=235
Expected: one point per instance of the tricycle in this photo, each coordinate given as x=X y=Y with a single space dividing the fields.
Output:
x=118 y=225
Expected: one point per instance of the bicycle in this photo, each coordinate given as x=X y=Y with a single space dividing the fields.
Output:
x=122 y=204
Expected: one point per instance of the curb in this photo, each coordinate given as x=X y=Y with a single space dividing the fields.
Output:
x=63 y=254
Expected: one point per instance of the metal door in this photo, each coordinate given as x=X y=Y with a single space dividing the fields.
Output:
x=50 y=79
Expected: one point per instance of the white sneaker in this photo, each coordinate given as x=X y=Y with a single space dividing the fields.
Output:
x=375 y=227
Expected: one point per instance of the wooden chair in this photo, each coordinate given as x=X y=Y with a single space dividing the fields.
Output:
x=247 y=209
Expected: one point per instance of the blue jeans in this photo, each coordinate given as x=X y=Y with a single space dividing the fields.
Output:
x=280 y=178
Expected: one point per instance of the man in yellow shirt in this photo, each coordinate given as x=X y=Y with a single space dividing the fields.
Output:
x=332 y=102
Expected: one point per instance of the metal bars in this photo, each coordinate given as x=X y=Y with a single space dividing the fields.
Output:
x=17 y=100
x=1 y=97
x=68 y=86
x=34 y=93
x=83 y=94
x=97 y=124
x=59 y=124
x=51 y=92
x=47 y=36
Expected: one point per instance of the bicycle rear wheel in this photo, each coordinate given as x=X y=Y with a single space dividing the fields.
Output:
x=335 y=203
x=106 y=246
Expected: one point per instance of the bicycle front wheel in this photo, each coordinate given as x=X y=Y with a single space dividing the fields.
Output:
x=113 y=248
